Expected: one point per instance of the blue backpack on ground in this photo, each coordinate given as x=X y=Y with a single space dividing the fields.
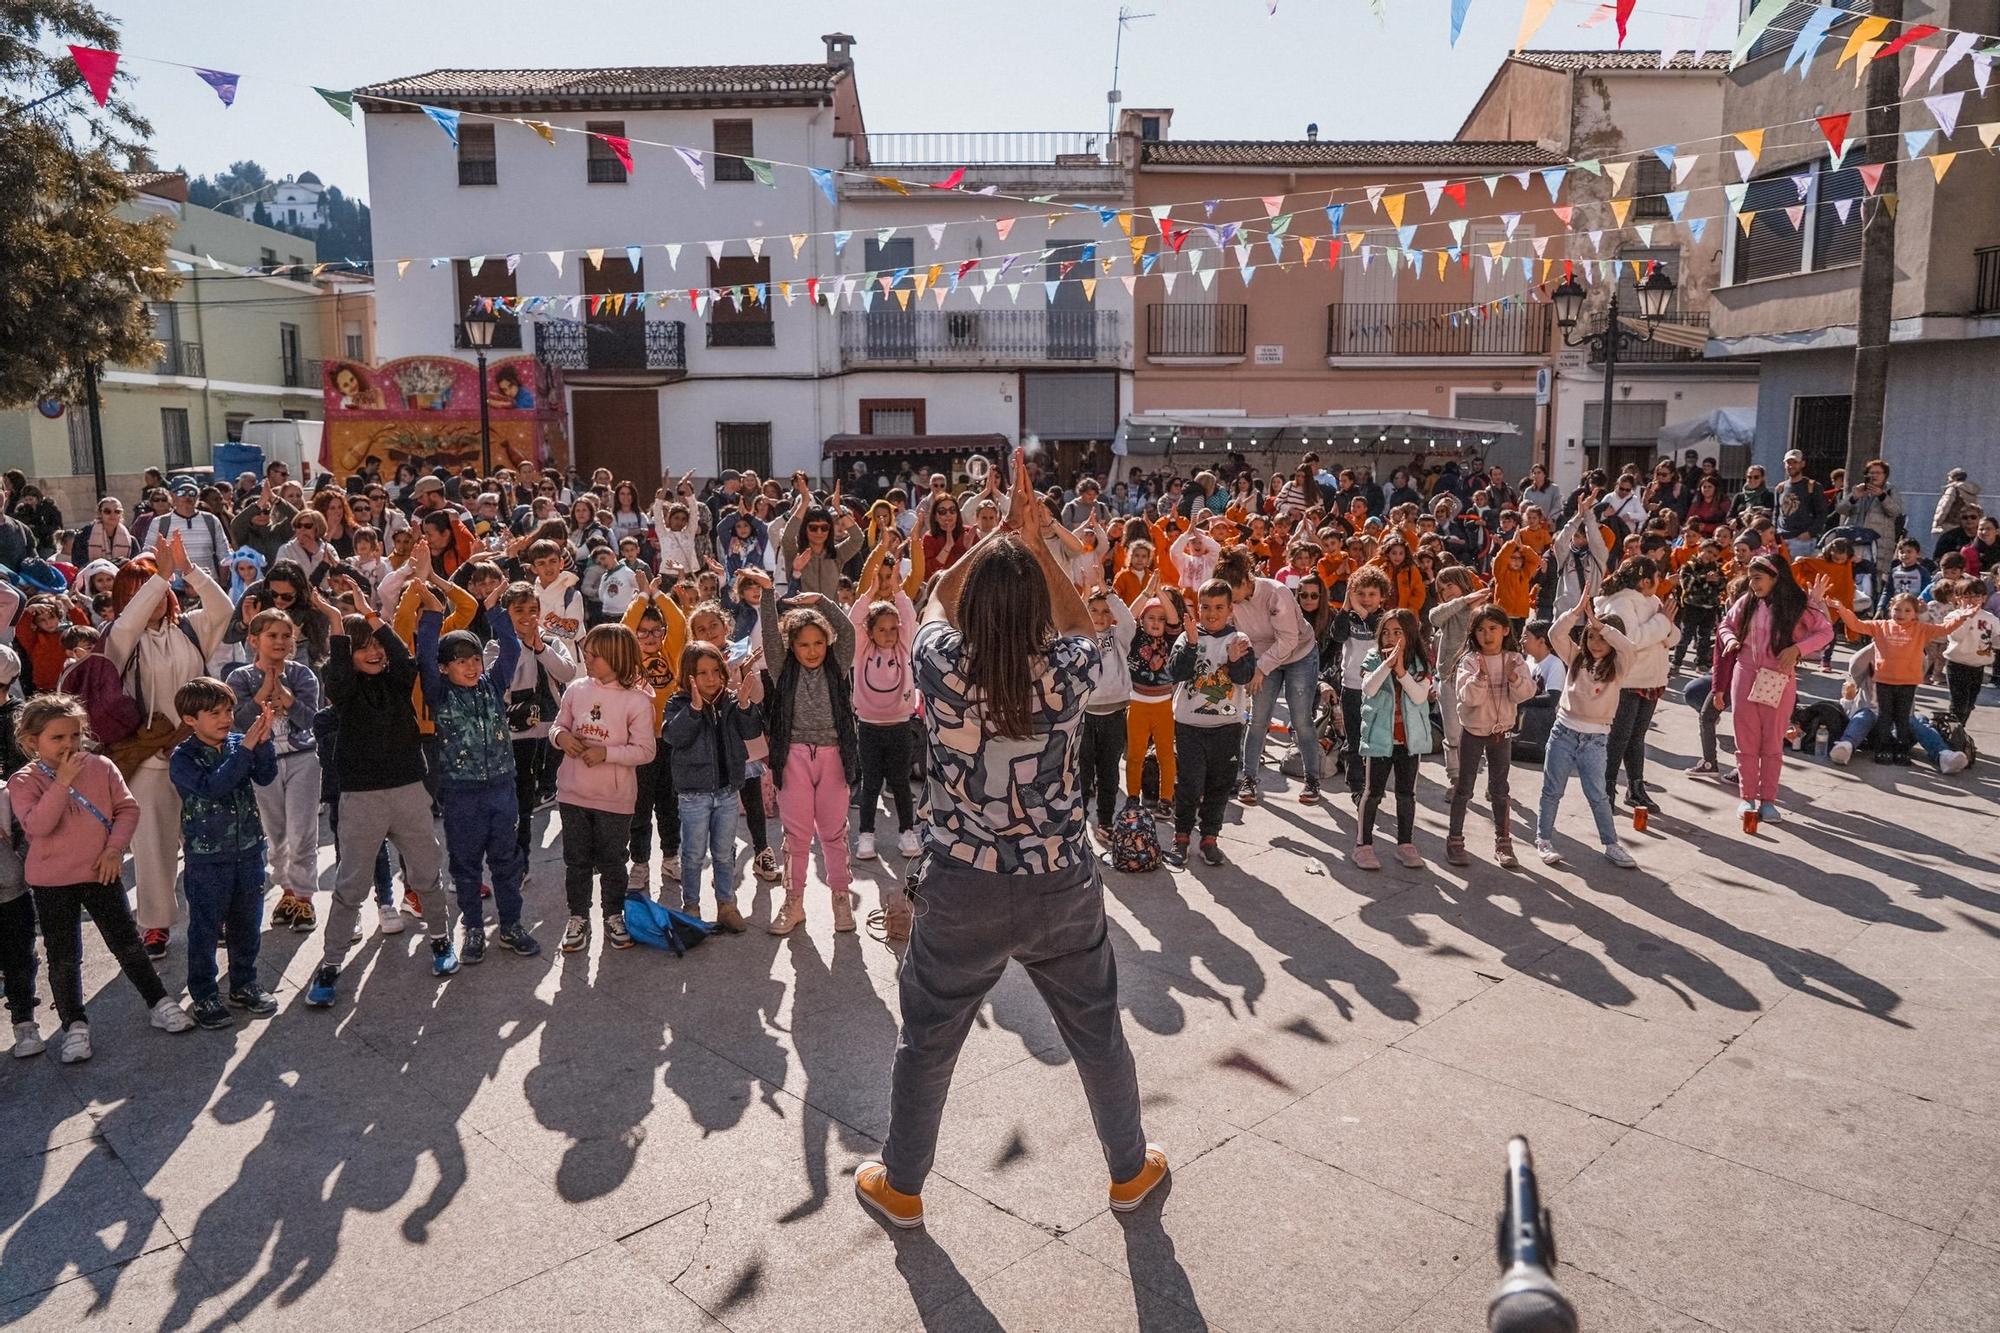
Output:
x=1135 y=846
x=661 y=927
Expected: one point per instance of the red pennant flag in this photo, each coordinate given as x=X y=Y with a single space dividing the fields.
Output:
x=1333 y=251
x=1624 y=16
x=1912 y=34
x=1871 y=176
x=950 y=182
x=1835 y=130
x=1062 y=270
x=966 y=268
x=1456 y=193
x=97 y=67
x=621 y=148
x=812 y=291
x=1174 y=239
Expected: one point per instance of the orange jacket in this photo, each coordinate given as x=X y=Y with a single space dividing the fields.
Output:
x=1899 y=645
x=1839 y=574
x=1514 y=589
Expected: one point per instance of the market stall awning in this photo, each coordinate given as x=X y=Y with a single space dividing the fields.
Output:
x=1157 y=432
x=993 y=446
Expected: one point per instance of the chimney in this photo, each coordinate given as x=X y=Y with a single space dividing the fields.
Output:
x=839 y=50
x=1312 y=132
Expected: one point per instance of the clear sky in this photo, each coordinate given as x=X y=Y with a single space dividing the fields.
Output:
x=1229 y=68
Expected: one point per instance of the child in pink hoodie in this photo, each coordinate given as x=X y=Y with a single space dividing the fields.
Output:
x=606 y=731
x=885 y=625
x=79 y=818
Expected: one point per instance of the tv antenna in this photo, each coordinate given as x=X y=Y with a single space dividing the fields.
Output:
x=1114 y=97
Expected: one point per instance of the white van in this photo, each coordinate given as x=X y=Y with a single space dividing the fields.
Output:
x=293 y=443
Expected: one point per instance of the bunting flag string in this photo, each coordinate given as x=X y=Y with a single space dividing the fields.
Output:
x=96 y=67
x=224 y=84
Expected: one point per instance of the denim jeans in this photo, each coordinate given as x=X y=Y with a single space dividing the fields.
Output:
x=1862 y=723
x=223 y=893
x=1300 y=682
x=708 y=829
x=1582 y=754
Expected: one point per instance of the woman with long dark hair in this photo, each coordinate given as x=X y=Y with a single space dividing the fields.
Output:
x=1768 y=630
x=1005 y=660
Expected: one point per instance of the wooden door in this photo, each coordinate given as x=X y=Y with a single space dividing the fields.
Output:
x=618 y=429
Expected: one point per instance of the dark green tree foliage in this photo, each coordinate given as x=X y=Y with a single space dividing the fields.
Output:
x=344 y=235
x=75 y=277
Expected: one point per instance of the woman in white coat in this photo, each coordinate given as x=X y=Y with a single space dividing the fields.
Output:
x=1650 y=629
x=158 y=648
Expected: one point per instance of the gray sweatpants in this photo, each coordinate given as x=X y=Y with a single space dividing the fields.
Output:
x=289 y=807
x=968 y=924
x=403 y=816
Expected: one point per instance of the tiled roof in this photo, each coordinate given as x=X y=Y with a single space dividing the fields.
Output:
x=160 y=184
x=1345 y=153
x=626 y=81
x=1582 y=62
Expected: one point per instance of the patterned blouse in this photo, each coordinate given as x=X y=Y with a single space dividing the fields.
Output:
x=1014 y=807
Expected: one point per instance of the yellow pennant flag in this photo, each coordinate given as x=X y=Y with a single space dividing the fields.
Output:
x=785 y=290
x=596 y=257
x=1533 y=15
x=903 y=297
x=1743 y=220
x=1107 y=262
x=1889 y=202
x=1753 y=140
x=1495 y=247
x=543 y=128
x=1638 y=270
x=1444 y=262
x=402 y=267
x=919 y=281
x=1138 y=250
x=936 y=272
x=891 y=183
x=1941 y=163
x=1620 y=210
x=1868 y=50
x=1307 y=244
x=1392 y=204
x=1090 y=289
x=1548 y=266
x=798 y=243
x=1125 y=223
x=1864 y=32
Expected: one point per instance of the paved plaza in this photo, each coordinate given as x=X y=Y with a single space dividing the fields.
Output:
x=1762 y=1080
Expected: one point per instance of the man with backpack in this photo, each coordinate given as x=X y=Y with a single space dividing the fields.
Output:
x=202 y=535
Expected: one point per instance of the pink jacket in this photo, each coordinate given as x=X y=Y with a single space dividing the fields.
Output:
x=64 y=839
x=620 y=720
x=1491 y=692
x=884 y=684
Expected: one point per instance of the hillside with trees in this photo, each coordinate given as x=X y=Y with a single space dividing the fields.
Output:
x=344 y=235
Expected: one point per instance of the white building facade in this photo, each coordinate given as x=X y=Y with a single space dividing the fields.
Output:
x=775 y=384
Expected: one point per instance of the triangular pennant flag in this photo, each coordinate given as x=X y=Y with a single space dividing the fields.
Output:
x=951 y=182
x=756 y=244
x=673 y=249
x=1696 y=226
x=1684 y=167
x=1001 y=226
x=1734 y=194
x=1272 y=203
x=224 y=84
x=1433 y=189
x=1916 y=32
x=1961 y=46
x=902 y=295
x=1540 y=244
x=823 y=177
x=1645 y=233
x=1455 y=191
x=556 y=258
x=798 y=240
x=1620 y=210
x=714 y=249
x=1868 y=51
x=1533 y=15
x=1457 y=228
x=1988 y=133
x=1915 y=141
x=1802 y=183
x=1206 y=278
x=474 y=264
x=1159 y=212
x=1459 y=9
x=1089 y=286
x=1920 y=60
x=1307 y=244
x=97 y=67
x=1841 y=208
x=1795 y=214
x=933 y=273
x=1510 y=221
x=1552 y=177
x=1125 y=223
x=596 y=258
x=1811 y=33
x=1675 y=200
x=1596 y=238
x=1406 y=236
x=1865 y=31
x=1591 y=165
x=1492 y=184
x=696 y=167
x=1617 y=172
x=633 y=254
x=343 y=102
x=1746 y=162
x=621 y=148
x=1374 y=193
x=1945 y=108
x=1982 y=69
x=891 y=183
x=444 y=120
x=402 y=266
x=1624 y=18
x=513 y=262
x=1138 y=246
x=1834 y=130
x=785 y=290
x=761 y=169
x=1871 y=175
x=1752 y=141
x=1128 y=282
x=1941 y=163
x=936 y=229
x=1564 y=212
x=1392 y=204
x=1761 y=17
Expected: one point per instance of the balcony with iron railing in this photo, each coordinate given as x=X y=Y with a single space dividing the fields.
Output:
x=1068 y=160
x=1657 y=351
x=303 y=374
x=1196 y=331
x=179 y=358
x=1434 y=328
x=1986 y=288
x=621 y=343
x=979 y=337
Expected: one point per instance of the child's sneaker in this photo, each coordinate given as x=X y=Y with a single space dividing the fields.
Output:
x=303 y=918
x=1177 y=855
x=670 y=866
x=413 y=906
x=843 y=910
x=1407 y=853
x=871 y=1186
x=254 y=1000
x=168 y=1016
x=281 y=910
x=1127 y=1195
x=28 y=1040
x=1704 y=769
x=517 y=938
x=320 y=993
x=1163 y=809
x=728 y=918
x=1455 y=853
x=472 y=946
x=907 y=844
x=1211 y=851
x=73 y=1047
x=1547 y=851
x=1618 y=856
x=155 y=942
x=765 y=866
x=391 y=921
x=1503 y=854
x=1247 y=791
x=576 y=934
x=791 y=915
x=639 y=879
x=1770 y=814
x=615 y=933
x=1310 y=794
x=1365 y=857
x=864 y=847
x=212 y=1013
x=444 y=958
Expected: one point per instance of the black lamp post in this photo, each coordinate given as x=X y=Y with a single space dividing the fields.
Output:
x=1655 y=293
x=478 y=327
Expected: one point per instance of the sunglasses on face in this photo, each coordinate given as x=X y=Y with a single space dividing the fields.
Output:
x=818 y=527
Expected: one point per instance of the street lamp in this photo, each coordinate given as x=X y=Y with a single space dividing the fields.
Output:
x=478 y=328
x=1655 y=294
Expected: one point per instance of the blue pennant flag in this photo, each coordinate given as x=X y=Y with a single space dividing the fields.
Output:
x=1665 y=152
x=1334 y=213
x=1676 y=201
x=840 y=242
x=823 y=177
x=1458 y=12
x=446 y=121
x=224 y=84
x=1696 y=226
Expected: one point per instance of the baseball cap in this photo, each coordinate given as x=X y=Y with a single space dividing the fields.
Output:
x=1793 y=455
x=425 y=485
x=458 y=644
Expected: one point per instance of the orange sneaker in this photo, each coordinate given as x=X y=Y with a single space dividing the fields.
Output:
x=1127 y=1195
x=872 y=1187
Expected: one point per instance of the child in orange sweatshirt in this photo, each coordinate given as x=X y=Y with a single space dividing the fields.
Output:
x=1899 y=665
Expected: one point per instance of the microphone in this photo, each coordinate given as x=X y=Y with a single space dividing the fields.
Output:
x=1527 y=1300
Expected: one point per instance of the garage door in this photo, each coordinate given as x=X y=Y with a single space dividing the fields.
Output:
x=618 y=429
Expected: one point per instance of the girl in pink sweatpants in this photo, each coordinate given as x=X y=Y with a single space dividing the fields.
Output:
x=815 y=745
x=1768 y=629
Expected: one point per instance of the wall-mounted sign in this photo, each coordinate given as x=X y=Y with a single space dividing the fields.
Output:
x=1269 y=354
x=52 y=408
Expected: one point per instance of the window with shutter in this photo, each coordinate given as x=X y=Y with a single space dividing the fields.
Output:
x=492 y=280
x=740 y=319
x=1837 y=239
x=1650 y=182
x=733 y=143
x=601 y=165
x=478 y=163
x=1773 y=246
x=743 y=446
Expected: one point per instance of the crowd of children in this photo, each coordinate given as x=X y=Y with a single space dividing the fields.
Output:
x=661 y=674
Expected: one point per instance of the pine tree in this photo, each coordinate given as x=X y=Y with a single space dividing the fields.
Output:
x=78 y=275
